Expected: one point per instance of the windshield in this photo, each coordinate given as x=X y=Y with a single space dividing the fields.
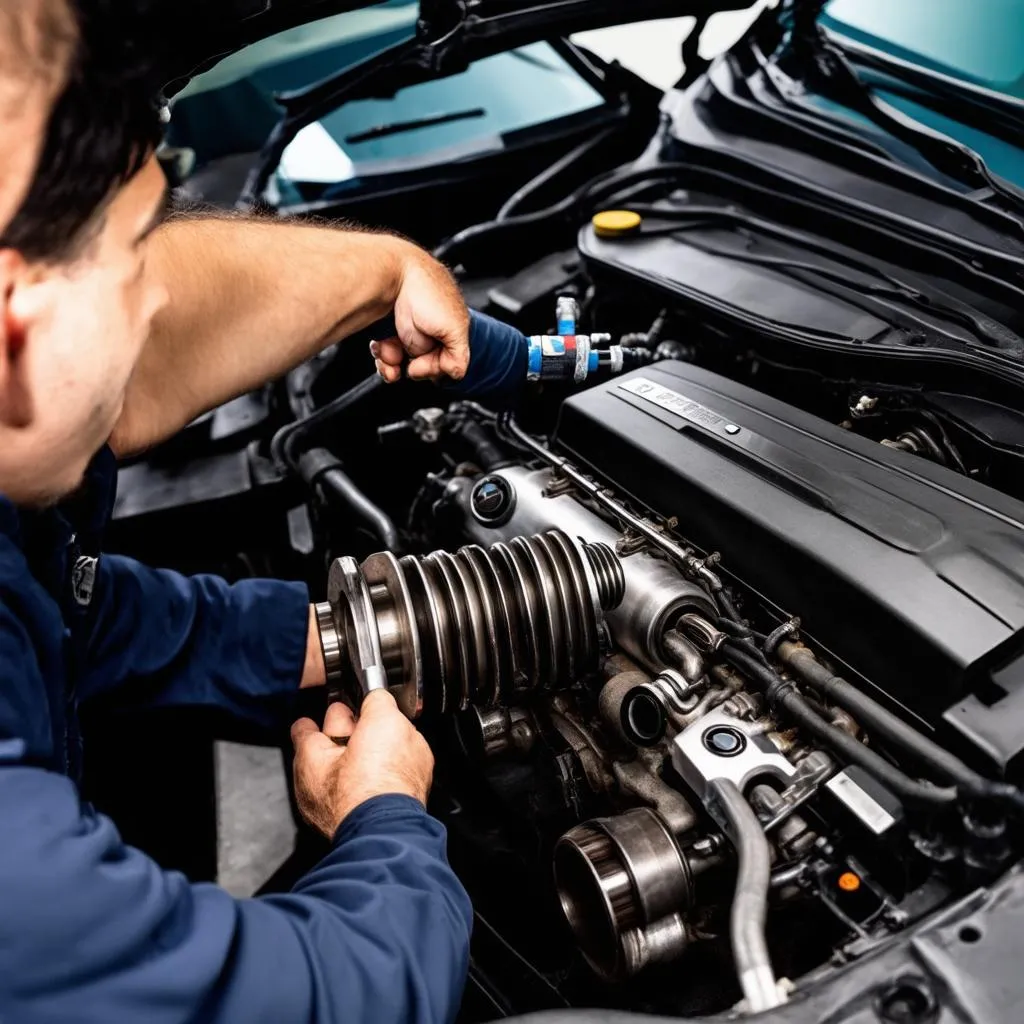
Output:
x=230 y=110
x=980 y=41
x=977 y=42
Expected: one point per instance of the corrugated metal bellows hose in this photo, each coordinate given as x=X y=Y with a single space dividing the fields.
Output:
x=445 y=632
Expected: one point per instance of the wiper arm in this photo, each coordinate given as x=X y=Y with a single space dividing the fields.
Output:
x=828 y=72
x=1002 y=115
x=382 y=131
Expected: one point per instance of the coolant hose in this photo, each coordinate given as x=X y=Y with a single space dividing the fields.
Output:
x=286 y=445
x=783 y=695
x=750 y=899
x=889 y=727
x=488 y=455
x=318 y=467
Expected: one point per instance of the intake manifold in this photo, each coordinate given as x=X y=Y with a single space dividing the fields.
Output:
x=445 y=632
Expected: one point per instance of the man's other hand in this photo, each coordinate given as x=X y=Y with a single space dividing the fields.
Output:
x=432 y=324
x=384 y=754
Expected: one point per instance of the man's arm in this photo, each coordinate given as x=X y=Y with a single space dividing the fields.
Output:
x=94 y=931
x=251 y=299
x=162 y=638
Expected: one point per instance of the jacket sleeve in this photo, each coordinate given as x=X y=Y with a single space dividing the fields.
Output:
x=164 y=638
x=95 y=932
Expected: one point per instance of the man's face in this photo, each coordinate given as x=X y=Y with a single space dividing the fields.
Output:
x=85 y=325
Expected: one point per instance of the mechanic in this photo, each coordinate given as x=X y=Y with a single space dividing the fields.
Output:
x=115 y=332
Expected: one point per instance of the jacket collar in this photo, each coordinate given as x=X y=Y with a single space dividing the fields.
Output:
x=93 y=501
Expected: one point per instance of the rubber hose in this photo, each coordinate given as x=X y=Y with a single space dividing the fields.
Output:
x=319 y=467
x=552 y=172
x=890 y=727
x=749 y=912
x=730 y=612
x=783 y=695
x=285 y=443
x=489 y=455
x=592 y=191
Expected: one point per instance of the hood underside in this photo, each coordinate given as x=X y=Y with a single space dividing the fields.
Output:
x=199 y=33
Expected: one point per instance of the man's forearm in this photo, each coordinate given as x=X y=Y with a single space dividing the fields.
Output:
x=314 y=671
x=249 y=300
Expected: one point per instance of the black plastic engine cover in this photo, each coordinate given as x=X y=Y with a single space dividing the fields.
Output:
x=910 y=574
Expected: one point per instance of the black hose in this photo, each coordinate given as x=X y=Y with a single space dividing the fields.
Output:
x=318 y=467
x=750 y=898
x=883 y=723
x=552 y=172
x=730 y=612
x=489 y=456
x=783 y=695
x=592 y=191
x=284 y=448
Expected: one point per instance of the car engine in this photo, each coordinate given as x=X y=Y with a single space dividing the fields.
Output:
x=730 y=687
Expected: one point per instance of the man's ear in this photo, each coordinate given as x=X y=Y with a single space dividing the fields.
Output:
x=15 y=401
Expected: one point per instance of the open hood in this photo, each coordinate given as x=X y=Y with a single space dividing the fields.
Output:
x=449 y=35
x=201 y=32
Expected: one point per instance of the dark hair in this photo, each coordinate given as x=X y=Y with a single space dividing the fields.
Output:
x=102 y=129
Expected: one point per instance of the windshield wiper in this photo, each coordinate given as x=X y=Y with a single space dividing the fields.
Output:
x=828 y=71
x=994 y=112
x=382 y=131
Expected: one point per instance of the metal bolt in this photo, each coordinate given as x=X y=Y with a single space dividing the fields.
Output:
x=428 y=424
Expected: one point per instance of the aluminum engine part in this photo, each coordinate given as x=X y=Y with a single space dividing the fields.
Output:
x=656 y=593
x=721 y=746
x=625 y=888
x=495 y=731
x=447 y=632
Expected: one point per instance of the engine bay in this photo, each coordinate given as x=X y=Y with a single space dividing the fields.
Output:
x=716 y=689
x=715 y=627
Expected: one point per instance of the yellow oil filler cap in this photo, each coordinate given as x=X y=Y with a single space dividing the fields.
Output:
x=615 y=223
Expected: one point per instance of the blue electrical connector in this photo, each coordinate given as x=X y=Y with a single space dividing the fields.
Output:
x=560 y=357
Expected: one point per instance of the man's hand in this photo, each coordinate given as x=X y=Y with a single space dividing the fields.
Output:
x=432 y=323
x=385 y=754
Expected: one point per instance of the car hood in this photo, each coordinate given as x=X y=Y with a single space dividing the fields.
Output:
x=202 y=32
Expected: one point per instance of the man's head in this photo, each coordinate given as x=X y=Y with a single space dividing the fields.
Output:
x=37 y=39
x=75 y=300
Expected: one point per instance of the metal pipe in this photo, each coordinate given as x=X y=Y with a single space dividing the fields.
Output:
x=750 y=899
x=685 y=655
x=599 y=494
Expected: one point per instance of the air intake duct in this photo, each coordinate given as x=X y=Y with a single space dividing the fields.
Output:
x=445 y=632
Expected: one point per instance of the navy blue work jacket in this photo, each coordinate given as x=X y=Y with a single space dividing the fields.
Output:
x=94 y=931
